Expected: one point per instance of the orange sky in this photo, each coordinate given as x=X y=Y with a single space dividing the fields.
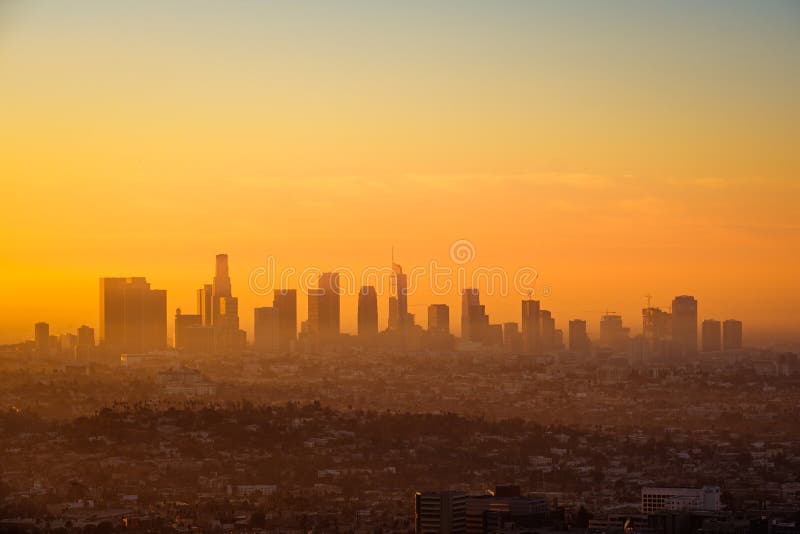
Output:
x=619 y=153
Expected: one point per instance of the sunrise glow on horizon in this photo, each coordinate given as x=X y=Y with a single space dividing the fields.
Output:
x=622 y=150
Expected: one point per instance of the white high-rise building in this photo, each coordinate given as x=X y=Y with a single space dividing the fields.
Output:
x=657 y=499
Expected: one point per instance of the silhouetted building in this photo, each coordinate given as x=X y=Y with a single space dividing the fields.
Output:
x=323 y=311
x=612 y=334
x=439 y=318
x=656 y=333
x=478 y=324
x=732 y=335
x=218 y=310
x=712 y=335
x=512 y=338
x=67 y=343
x=133 y=317
x=221 y=286
x=367 y=313
x=205 y=298
x=305 y=339
x=285 y=302
x=440 y=512
x=438 y=336
x=531 y=331
x=227 y=335
x=493 y=335
x=684 y=324
x=558 y=339
x=470 y=299
x=184 y=322
x=475 y=325
x=398 y=302
x=85 y=343
x=266 y=329
x=547 y=330
x=578 y=338
x=41 y=333
x=507 y=507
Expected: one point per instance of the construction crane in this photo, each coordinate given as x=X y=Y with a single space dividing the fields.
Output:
x=605 y=312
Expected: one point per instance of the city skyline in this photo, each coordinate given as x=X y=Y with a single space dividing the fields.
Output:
x=215 y=326
x=647 y=150
x=359 y=266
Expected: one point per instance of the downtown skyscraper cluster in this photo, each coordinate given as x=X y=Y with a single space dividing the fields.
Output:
x=133 y=319
x=215 y=326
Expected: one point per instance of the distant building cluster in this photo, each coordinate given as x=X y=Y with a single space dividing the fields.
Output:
x=215 y=326
x=507 y=510
x=133 y=320
x=675 y=499
x=458 y=513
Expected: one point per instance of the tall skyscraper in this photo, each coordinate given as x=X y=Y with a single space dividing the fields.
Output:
x=531 y=331
x=470 y=299
x=612 y=334
x=184 y=323
x=85 y=346
x=656 y=324
x=478 y=325
x=367 y=313
x=285 y=301
x=578 y=338
x=547 y=330
x=493 y=335
x=226 y=311
x=558 y=339
x=222 y=280
x=41 y=333
x=439 y=318
x=474 y=320
x=656 y=333
x=266 y=329
x=732 y=335
x=323 y=310
x=217 y=308
x=398 y=302
x=712 y=336
x=440 y=512
x=512 y=338
x=133 y=317
x=205 y=308
x=684 y=324
x=67 y=343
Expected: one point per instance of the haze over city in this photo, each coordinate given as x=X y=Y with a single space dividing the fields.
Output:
x=620 y=151
x=372 y=267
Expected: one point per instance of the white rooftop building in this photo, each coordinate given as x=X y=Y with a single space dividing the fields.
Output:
x=657 y=499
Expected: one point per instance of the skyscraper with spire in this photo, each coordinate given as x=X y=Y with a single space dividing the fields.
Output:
x=398 y=302
x=216 y=304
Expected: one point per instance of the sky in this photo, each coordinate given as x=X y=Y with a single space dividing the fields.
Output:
x=620 y=149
